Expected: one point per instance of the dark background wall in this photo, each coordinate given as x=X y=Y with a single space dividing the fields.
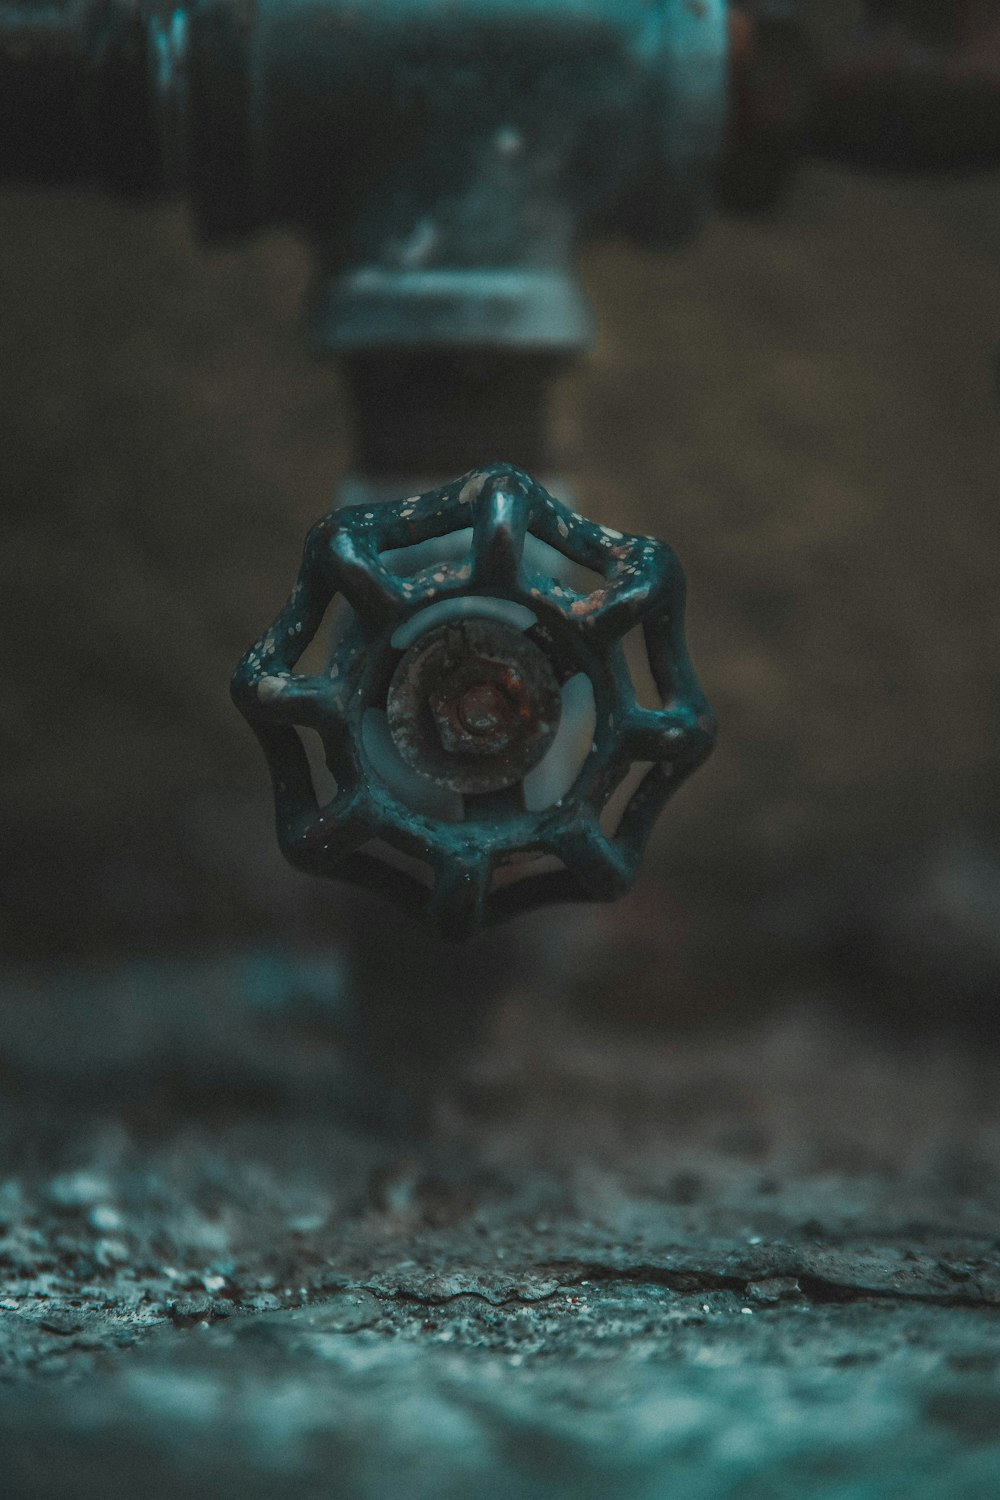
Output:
x=806 y=406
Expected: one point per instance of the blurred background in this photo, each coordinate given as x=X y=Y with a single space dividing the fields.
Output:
x=712 y=1208
x=805 y=404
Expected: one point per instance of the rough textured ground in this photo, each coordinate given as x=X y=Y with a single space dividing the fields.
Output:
x=761 y=1262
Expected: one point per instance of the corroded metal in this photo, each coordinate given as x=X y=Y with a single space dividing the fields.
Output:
x=500 y=510
x=473 y=705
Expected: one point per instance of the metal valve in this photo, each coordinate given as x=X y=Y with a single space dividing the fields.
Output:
x=477 y=712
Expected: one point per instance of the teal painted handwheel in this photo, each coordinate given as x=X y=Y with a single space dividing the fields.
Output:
x=478 y=712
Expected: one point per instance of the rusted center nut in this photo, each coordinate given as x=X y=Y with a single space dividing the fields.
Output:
x=488 y=715
x=473 y=705
x=483 y=709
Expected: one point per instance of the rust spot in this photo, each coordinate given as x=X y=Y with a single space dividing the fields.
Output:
x=473 y=706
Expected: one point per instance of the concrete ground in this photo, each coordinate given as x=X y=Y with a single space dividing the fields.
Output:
x=755 y=1261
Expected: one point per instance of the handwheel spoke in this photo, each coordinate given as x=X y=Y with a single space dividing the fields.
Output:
x=627 y=601
x=668 y=734
x=498 y=537
x=600 y=866
x=314 y=840
x=374 y=593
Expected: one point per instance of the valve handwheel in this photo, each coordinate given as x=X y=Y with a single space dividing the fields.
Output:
x=478 y=712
